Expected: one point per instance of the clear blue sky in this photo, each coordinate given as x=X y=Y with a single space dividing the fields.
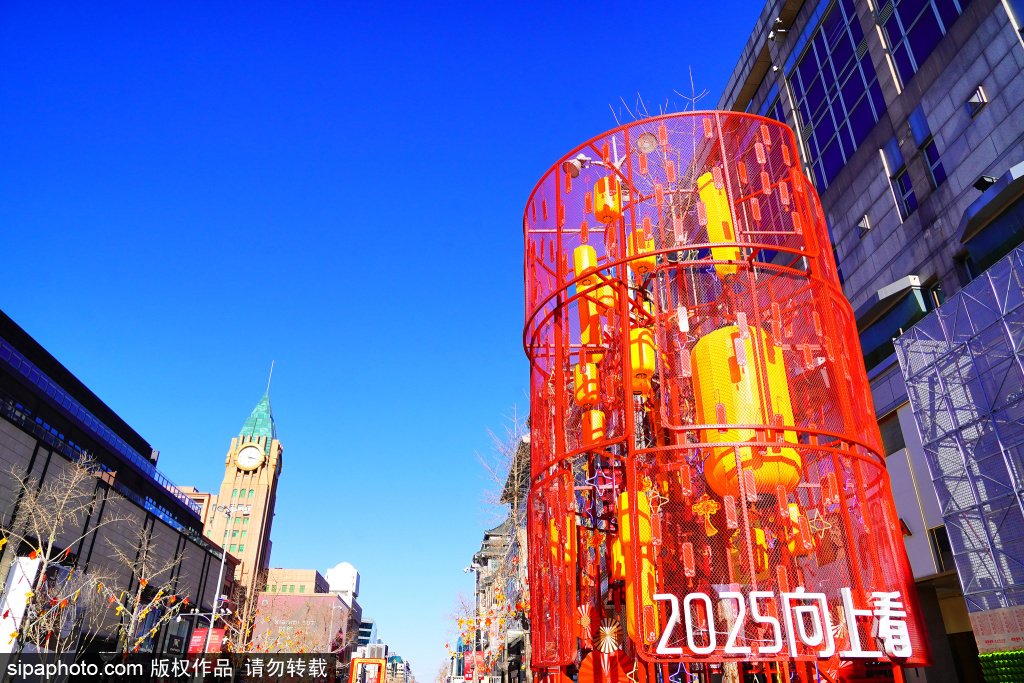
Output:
x=189 y=190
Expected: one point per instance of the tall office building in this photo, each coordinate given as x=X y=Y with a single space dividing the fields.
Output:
x=910 y=119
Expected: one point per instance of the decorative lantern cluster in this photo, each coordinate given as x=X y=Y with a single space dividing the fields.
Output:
x=702 y=431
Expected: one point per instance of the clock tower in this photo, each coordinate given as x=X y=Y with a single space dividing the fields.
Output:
x=248 y=492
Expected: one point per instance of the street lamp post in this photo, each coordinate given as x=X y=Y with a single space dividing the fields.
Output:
x=216 y=610
x=330 y=628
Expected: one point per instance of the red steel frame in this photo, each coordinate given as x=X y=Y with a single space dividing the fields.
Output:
x=767 y=281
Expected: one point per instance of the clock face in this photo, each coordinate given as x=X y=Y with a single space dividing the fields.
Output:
x=249 y=458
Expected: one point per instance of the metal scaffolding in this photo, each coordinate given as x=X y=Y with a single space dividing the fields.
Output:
x=964 y=370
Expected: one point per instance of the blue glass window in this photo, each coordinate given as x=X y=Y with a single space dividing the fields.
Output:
x=914 y=27
x=835 y=93
x=904 y=193
x=931 y=153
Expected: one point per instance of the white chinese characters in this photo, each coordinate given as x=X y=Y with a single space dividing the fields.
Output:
x=799 y=622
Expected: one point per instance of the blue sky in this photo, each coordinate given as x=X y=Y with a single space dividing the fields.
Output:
x=191 y=190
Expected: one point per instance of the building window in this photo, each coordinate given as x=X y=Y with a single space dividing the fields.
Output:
x=232 y=547
x=935 y=170
x=252 y=492
x=225 y=533
x=302 y=589
x=775 y=111
x=243 y=533
x=933 y=297
x=942 y=549
x=291 y=589
x=273 y=589
x=234 y=533
x=837 y=93
x=241 y=547
x=904 y=190
x=913 y=29
x=234 y=493
x=966 y=269
x=245 y=520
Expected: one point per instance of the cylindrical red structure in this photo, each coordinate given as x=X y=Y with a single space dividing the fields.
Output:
x=707 y=469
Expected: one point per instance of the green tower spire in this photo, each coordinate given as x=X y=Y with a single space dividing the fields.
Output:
x=261 y=422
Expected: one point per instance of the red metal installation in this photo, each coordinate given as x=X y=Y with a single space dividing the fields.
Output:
x=709 y=490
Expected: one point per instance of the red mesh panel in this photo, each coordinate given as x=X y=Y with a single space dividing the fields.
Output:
x=552 y=564
x=701 y=384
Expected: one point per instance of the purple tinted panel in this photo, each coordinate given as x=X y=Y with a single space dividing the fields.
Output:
x=833 y=27
x=932 y=152
x=869 y=69
x=848 y=8
x=861 y=120
x=815 y=96
x=911 y=200
x=819 y=178
x=855 y=32
x=925 y=35
x=832 y=160
x=947 y=11
x=847 y=140
x=808 y=68
x=939 y=174
x=798 y=89
x=819 y=46
x=877 y=99
x=852 y=91
x=804 y=114
x=824 y=130
x=777 y=112
x=822 y=113
x=812 y=147
x=903 y=65
x=892 y=29
x=842 y=52
x=846 y=71
x=909 y=9
x=827 y=78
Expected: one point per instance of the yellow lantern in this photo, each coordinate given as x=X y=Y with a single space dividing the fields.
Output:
x=593 y=427
x=607 y=200
x=584 y=258
x=588 y=390
x=644 y=586
x=731 y=379
x=638 y=248
x=590 y=331
x=642 y=358
x=719 y=223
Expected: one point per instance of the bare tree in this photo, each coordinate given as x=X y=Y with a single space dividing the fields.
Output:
x=245 y=602
x=149 y=600
x=442 y=672
x=507 y=473
x=59 y=612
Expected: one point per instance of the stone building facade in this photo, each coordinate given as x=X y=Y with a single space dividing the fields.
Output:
x=910 y=115
x=48 y=420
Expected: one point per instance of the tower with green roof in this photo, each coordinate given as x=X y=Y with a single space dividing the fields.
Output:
x=249 y=493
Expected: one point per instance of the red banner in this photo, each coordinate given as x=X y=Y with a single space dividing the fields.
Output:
x=195 y=645
x=467 y=666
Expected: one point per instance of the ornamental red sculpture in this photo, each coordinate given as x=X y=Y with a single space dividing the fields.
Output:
x=706 y=465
